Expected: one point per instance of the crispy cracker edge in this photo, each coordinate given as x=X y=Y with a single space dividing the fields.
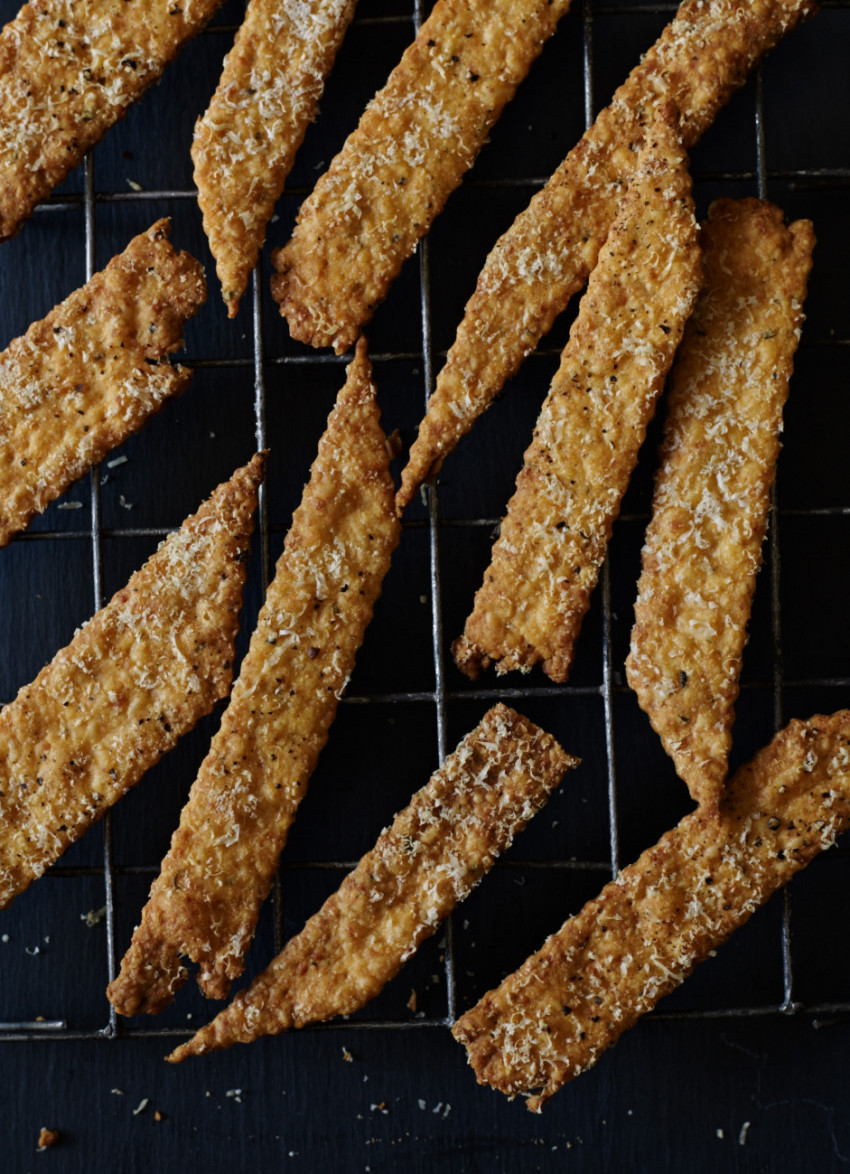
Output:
x=73 y=756
x=524 y=284
x=783 y=808
x=752 y=259
x=513 y=748
x=553 y=540
x=363 y=517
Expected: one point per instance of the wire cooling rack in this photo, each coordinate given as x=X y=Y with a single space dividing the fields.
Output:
x=269 y=392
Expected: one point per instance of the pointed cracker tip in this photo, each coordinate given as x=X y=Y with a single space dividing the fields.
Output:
x=237 y=496
x=360 y=365
x=190 y=1048
x=160 y=228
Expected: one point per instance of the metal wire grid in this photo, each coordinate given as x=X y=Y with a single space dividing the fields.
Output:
x=440 y=696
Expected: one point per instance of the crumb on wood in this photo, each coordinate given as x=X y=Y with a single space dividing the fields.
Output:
x=47 y=1138
x=411 y=1002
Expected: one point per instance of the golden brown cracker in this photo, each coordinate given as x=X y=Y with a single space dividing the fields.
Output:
x=418 y=137
x=553 y=540
x=92 y=372
x=246 y=142
x=133 y=679
x=69 y=69
x=649 y=928
x=223 y=857
x=712 y=490
x=437 y=849
x=545 y=257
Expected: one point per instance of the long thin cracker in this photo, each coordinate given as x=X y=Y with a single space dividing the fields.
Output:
x=712 y=490
x=437 y=849
x=416 y=140
x=92 y=372
x=223 y=857
x=545 y=257
x=649 y=928
x=69 y=69
x=133 y=680
x=246 y=142
x=553 y=540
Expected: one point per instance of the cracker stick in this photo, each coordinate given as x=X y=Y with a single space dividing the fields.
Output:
x=69 y=69
x=91 y=373
x=554 y=538
x=436 y=851
x=712 y=490
x=649 y=928
x=415 y=142
x=545 y=257
x=136 y=677
x=246 y=142
x=223 y=857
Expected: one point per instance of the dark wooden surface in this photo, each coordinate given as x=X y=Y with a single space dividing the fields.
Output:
x=713 y=1088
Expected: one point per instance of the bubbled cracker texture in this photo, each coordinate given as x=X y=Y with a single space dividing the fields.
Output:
x=133 y=680
x=437 y=849
x=223 y=857
x=554 y=538
x=246 y=142
x=417 y=138
x=648 y=928
x=92 y=372
x=70 y=69
x=532 y=272
x=712 y=490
